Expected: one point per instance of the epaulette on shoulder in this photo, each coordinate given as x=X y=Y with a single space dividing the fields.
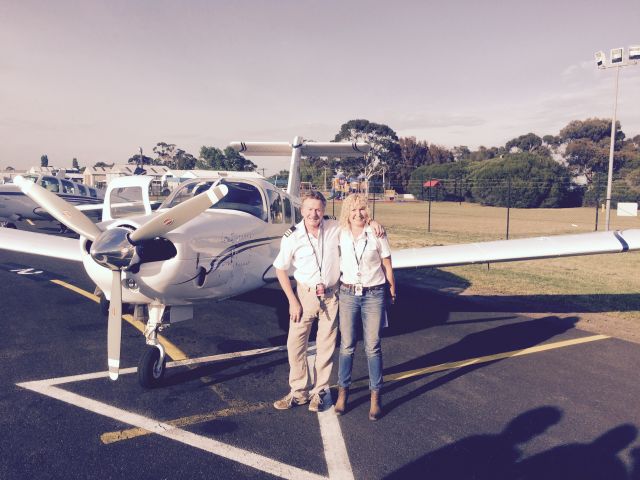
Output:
x=329 y=217
x=290 y=231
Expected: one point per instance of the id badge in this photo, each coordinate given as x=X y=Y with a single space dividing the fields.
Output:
x=357 y=291
x=320 y=290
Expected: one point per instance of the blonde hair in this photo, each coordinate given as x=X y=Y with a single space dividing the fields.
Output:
x=353 y=200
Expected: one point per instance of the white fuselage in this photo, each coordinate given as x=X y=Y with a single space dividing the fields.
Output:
x=221 y=253
x=15 y=205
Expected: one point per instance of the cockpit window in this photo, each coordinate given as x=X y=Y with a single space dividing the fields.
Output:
x=243 y=197
x=83 y=190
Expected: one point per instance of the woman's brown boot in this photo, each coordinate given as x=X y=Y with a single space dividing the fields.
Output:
x=375 y=412
x=341 y=403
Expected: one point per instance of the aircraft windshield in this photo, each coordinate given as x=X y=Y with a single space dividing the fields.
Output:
x=242 y=197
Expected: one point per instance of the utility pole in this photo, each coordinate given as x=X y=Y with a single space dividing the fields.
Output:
x=616 y=61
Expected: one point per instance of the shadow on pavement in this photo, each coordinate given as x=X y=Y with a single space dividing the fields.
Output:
x=500 y=456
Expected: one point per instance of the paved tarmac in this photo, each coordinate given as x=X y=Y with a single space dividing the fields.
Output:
x=469 y=393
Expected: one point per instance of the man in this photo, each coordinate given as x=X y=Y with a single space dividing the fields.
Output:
x=312 y=248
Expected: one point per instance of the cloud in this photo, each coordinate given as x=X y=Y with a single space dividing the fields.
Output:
x=435 y=120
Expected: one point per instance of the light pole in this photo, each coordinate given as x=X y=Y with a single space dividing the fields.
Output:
x=616 y=61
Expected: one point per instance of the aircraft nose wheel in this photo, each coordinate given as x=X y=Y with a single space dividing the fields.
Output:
x=151 y=368
x=8 y=225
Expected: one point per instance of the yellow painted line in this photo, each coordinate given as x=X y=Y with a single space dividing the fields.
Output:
x=113 y=437
x=485 y=359
x=30 y=223
x=172 y=350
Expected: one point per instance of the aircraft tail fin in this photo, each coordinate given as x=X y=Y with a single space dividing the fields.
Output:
x=298 y=148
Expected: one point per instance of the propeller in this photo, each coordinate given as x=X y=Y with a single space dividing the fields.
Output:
x=179 y=215
x=114 y=327
x=115 y=248
x=58 y=208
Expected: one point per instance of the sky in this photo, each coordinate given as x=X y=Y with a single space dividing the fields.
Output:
x=98 y=80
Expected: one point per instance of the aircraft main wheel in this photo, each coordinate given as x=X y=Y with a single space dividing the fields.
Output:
x=8 y=225
x=150 y=369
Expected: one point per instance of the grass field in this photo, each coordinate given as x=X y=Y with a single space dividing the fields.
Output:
x=606 y=284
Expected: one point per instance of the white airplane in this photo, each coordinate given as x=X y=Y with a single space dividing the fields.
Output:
x=16 y=206
x=217 y=238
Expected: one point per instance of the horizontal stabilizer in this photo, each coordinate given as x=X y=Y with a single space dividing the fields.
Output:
x=332 y=149
x=40 y=244
x=519 y=249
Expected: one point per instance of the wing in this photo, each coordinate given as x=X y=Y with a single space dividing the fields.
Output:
x=519 y=249
x=90 y=207
x=40 y=244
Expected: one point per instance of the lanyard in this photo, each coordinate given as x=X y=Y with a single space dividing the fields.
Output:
x=355 y=254
x=321 y=245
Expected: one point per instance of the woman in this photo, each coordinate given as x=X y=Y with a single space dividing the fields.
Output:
x=365 y=263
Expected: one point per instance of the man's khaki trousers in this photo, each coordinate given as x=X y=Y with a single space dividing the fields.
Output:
x=298 y=341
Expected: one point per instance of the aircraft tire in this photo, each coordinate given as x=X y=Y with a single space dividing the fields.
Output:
x=8 y=225
x=150 y=373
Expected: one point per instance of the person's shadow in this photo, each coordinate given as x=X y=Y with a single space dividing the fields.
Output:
x=635 y=467
x=505 y=338
x=483 y=457
x=596 y=460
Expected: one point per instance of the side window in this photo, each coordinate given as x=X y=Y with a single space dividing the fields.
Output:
x=51 y=184
x=93 y=193
x=83 y=190
x=275 y=207
x=288 y=217
x=67 y=187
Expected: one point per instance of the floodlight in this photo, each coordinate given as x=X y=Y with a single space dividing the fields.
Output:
x=616 y=55
x=600 y=59
x=634 y=52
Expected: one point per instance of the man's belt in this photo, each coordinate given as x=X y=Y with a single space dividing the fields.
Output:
x=327 y=290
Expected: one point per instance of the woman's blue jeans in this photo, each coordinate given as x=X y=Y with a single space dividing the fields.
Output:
x=370 y=309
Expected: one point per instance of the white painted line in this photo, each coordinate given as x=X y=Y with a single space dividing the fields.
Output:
x=177 y=363
x=335 y=450
x=166 y=430
x=227 y=356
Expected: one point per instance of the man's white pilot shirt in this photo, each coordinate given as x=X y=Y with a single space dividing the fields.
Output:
x=297 y=251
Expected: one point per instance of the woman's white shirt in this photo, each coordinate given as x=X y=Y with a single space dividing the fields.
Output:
x=370 y=250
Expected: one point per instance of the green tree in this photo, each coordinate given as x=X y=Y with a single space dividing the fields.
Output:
x=440 y=154
x=102 y=165
x=44 y=161
x=74 y=163
x=385 y=149
x=525 y=143
x=451 y=175
x=534 y=180
x=594 y=129
x=212 y=158
x=237 y=162
x=139 y=159
x=587 y=146
x=413 y=154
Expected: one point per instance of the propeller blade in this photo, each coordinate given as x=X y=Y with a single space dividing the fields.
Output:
x=179 y=215
x=58 y=208
x=114 y=327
